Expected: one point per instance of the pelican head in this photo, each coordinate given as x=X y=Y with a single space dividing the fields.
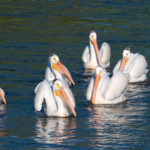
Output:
x=93 y=41
x=54 y=59
x=126 y=54
x=57 y=66
x=98 y=76
x=93 y=36
x=2 y=95
x=60 y=93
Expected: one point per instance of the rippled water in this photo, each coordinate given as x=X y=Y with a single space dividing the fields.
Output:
x=29 y=32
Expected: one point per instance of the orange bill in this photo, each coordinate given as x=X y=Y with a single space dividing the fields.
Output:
x=97 y=52
x=63 y=70
x=3 y=98
x=123 y=63
x=97 y=79
x=67 y=101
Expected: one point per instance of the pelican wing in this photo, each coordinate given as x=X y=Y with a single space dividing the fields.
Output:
x=116 y=68
x=117 y=85
x=86 y=55
x=105 y=52
x=36 y=88
x=138 y=67
x=39 y=97
x=103 y=86
x=90 y=89
x=44 y=92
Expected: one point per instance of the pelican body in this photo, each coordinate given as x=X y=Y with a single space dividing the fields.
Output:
x=56 y=70
x=93 y=57
x=133 y=64
x=58 y=99
x=2 y=96
x=105 y=90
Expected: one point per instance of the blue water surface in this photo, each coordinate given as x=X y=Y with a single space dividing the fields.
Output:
x=30 y=31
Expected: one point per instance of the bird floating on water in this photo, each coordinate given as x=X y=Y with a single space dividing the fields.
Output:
x=56 y=70
x=133 y=64
x=93 y=57
x=58 y=98
x=105 y=90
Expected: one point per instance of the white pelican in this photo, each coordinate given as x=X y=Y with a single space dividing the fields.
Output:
x=133 y=64
x=2 y=96
x=58 y=98
x=93 y=57
x=105 y=90
x=56 y=70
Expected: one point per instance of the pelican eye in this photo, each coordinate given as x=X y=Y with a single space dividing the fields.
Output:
x=92 y=37
x=56 y=92
x=58 y=86
x=55 y=60
x=127 y=55
x=100 y=72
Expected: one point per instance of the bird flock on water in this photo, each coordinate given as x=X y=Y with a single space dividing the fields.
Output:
x=54 y=91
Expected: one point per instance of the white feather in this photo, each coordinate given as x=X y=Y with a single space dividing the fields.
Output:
x=105 y=53
x=44 y=92
x=116 y=68
x=90 y=89
x=117 y=85
x=86 y=54
x=139 y=67
x=49 y=75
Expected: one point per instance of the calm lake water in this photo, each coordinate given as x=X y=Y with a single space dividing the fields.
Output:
x=29 y=32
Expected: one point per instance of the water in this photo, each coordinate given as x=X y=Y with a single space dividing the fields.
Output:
x=29 y=32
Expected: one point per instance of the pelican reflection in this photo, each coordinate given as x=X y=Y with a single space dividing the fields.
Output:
x=55 y=130
x=103 y=115
x=2 y=120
